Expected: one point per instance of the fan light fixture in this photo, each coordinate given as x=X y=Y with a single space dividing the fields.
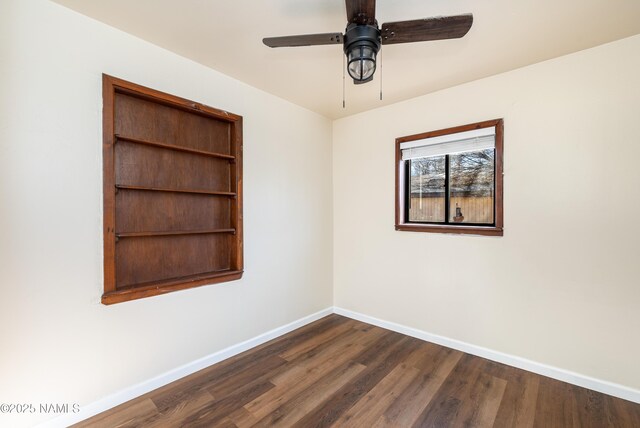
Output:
x=361 y=44
x=363 y=37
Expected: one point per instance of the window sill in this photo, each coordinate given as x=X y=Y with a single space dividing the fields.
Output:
x=447 y=228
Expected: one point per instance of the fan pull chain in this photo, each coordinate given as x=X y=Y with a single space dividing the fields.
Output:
x=380 y=56
x=344 y=64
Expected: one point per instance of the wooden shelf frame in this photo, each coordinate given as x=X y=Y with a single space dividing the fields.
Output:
x=173 y=233
x=173 y=147
x=171 y=190
x=156 y=288
x=114 y=293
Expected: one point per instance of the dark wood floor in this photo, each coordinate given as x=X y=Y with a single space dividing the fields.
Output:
x=340 y=372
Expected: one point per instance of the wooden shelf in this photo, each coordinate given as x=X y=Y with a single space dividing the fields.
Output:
x=162 y=189
x=173 y=233
x=137 y=291
x=173 y=147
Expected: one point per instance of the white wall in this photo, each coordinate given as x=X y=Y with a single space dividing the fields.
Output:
x=561 y=287
x=59 y=344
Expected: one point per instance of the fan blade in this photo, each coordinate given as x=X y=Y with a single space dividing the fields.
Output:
x=422 y=30
x=361 y=11
x=303 y=40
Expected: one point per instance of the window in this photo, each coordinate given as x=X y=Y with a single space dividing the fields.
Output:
x=172 y=184
x=450 y=181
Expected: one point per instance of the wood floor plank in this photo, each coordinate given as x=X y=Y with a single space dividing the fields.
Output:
x=125 y=415
x=380 y=347
x=389 y=351
x=518 y=405
x=295 y=409
x=430 y=356
x=449 y=400
x=254 y=374
x=231 y=373
x=370 y=408
x=621 y=413
x=296 y=350
x=590 y=412
x=225 y=423
x=556 y=406
x=343 y=348
x=290 y=384
x=476 y=401
x=263 y=370
x=343 y=372
x=486 y=396
x=282 y=343
x=217 y=410
x=404 y=411
x=174 y=415
x=242 y=418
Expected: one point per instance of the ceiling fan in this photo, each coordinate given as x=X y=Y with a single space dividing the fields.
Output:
x=363 y=38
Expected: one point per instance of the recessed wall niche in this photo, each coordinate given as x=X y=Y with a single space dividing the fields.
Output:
x=172 y=193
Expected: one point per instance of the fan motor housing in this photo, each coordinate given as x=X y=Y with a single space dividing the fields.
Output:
x=361 y=38
x=368 y=35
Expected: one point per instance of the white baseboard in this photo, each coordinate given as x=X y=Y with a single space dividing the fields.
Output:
x=132 y=392
x=578 y=379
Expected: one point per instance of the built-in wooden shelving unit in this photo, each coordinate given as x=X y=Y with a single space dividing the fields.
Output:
x=172 y=193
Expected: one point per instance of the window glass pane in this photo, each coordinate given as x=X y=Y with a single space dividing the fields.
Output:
x=471 y=187
x=427 y=177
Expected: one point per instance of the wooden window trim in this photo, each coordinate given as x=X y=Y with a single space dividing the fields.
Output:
x=111 y=86
x=494 y=230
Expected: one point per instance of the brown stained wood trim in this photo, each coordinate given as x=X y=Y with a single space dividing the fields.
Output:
x=162 y=287
x=170 y=233
x=108 y=189
x=164 y=189
x=139 y=91
x=435 y=228
x=237 y=209
x=498 y=229
x=173 y=147
x=398 y=195
x=499 y=168
x=452 y=130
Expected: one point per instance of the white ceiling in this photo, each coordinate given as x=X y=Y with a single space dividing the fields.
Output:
x=227 y=36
